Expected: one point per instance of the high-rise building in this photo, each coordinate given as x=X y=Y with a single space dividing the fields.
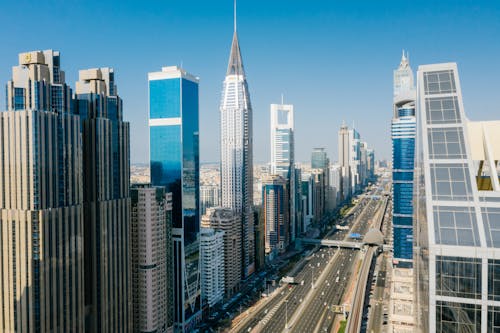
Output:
x=319 y=159
x=275 y=213
x=41 y=201
x=209 y=197
x=318 y=193
x=355 y=162
x=236 y=151
x=174 y=155
x=106 y=195
x=212 y=265
x=228 y=221
x=345 y=144
x=371 y=163
x=457 y=210
x=307 y=189
x=282 y=155
x=151 y=253
x=403 y=154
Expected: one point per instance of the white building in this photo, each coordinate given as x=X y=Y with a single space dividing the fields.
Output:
x=152 y=265
x=345 y=145
x=212 y=265
x=282 y=155
x=209 y=197
x=236 y=151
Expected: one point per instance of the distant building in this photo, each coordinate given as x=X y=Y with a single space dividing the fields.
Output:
x=175 y=164
x=345 y=144
x=319 y=193
x=226 y=220
x=319 y=159
x=307 y=189
x=151 y=258
x=212 y=265
x=275 y=212
x=457 y=210
x=209 y=197
x=403 y=129
x=282 y=155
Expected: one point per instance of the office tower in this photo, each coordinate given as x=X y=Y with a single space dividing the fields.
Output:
x=345 y=145
x=371 y=164
x=335 y=178
x=318 y=193
x=275 y=212
x=457 y=210
x=174 y=155
x=41 y=201
x=363 y=161
x=355 y=162
x=297 y=207
x=209 y=197
x=212 y=265
x=228 y=221
x=319 y=159
x=307 y=186
x=151 y=253
x=236 y=151
x=106 y=196
x=282 y=154
x=403 y=154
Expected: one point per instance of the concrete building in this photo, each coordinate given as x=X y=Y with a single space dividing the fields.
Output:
x=275 y=212
x=106 y=186
x=212 y=266
x=151 y=253
x=345 y=144
x=174 y=154
x=403 y=129
x=226 y=220
x=41 y=201
x=457 y=210
x=237 y=151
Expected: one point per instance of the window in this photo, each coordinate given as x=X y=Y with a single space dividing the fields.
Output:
x=446 y=143
x=455 y=226
x=458 y=277
x=450 y=182
x=458 y=317
x=491 y=219
x=442 y=110
x=440 y=82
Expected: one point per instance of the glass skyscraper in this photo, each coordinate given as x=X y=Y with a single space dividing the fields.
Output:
x=457 y=210
x=41 y=201
x=106 y=181
x=282 y=156
x=403 y=154
x=174 y=158
x=237 y=151
x=275 y=212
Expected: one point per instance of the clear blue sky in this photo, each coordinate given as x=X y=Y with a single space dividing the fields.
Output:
x=332 y=59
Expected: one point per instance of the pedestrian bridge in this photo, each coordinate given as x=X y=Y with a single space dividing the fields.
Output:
x=330 y=243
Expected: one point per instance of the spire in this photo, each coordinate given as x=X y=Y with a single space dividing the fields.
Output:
x=404 y=61
x=235 y=66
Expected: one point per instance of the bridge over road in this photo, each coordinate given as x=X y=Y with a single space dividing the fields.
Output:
x=331 y=243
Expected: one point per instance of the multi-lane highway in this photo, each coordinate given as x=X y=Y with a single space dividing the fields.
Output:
x=305 y=307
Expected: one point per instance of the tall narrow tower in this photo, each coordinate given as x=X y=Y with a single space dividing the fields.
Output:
x=236 y=150
x=403 y=131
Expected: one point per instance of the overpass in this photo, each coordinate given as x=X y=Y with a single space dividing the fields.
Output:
x=331 y=243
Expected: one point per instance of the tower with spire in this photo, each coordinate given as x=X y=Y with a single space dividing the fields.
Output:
x=403 y=130
x=236 y=150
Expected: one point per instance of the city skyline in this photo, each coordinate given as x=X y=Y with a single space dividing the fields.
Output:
x=354 y=57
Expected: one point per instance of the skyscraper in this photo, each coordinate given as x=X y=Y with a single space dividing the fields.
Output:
x=41 y=201
x=174 y=154
x=403 y=154
x=345 y=144
x=319 y=159
x=282 y=155
x=152 y=266
x=457 y=210
x=275 y=211
x=236 y=150
x=106 y=195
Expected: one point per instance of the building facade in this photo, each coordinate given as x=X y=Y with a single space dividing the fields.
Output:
x=344 y=144
x=403 y=131
x=41 y=201
x=209 y=197
x=275 y=212
x=237 y=151
x=174 y=159
x=229 y=222
x=151 y=253
x=212 y=265
x=457 y=210
x=282 y=155
x=106 y=186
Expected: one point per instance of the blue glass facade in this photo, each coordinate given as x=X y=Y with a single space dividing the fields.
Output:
x=403 y=154
x=174 y=162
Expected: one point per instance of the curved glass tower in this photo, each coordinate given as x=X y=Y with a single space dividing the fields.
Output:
x=236 y=151
x=403 y=153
